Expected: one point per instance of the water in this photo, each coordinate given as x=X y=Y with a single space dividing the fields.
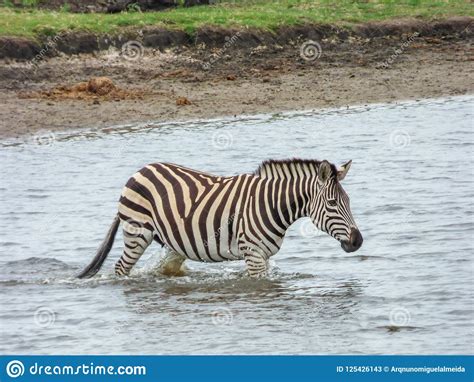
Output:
x=408 y=290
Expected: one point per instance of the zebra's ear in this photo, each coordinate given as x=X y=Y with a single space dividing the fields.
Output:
x=324 y=171
x=342 y=172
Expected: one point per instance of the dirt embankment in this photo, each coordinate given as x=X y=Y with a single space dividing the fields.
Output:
x=161 y=75
x=158 y=38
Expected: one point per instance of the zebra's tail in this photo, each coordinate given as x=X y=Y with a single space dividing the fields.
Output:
x=102 y=252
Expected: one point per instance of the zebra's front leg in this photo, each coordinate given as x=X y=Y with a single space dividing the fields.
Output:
x=136 y=239
x=257 y=263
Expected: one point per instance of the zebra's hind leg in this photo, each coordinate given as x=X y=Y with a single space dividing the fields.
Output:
x=136 y=239
x=172 y=264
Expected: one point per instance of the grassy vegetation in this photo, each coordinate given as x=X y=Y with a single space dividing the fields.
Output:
x=256 y=13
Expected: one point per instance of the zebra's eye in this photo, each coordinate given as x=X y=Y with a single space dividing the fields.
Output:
x=332 y=202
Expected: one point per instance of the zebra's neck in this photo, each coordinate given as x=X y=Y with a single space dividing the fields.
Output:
x=293 y=182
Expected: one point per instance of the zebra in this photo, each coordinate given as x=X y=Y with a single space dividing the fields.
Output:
x=203 y=217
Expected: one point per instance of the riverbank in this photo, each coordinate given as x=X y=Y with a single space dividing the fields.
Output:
x=233 y=72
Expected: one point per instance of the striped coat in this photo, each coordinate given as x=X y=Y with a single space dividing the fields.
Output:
x=210 y=218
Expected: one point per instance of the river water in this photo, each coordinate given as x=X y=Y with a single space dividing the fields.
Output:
x=407 y=290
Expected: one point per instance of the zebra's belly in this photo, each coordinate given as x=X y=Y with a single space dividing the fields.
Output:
x=213 y=256
x=210 y=250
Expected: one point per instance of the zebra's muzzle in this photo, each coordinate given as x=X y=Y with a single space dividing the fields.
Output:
x=354 y=243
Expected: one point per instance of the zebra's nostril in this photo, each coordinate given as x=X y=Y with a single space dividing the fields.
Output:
x=356 y=238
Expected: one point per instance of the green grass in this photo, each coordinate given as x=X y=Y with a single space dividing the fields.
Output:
x=257 y=13
x=24 y=3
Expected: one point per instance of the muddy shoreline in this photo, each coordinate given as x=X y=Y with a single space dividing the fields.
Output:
x=220 y=75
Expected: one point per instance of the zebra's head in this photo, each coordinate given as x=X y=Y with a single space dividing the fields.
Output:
x=330 y=208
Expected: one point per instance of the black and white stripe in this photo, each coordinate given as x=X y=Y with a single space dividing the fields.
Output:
x=210 y=218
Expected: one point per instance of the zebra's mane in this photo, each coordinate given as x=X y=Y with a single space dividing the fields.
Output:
x=282 y=163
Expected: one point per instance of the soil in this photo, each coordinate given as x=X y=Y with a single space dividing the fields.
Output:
x=166 y=77
x=96 y=89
